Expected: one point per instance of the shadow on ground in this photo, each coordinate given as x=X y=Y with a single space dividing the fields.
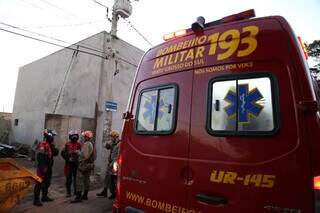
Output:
x=61 y=204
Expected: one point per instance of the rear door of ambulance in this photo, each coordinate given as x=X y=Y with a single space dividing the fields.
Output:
x=248 y=151
x=155 y=144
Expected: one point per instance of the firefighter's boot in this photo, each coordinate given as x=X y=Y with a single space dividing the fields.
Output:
x=37 y=202
x=78 y=198
x=85 y=195
x=104 y=193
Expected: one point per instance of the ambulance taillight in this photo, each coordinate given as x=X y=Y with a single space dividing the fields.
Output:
x=116 y=168
x=316 y=183
x=316 y=187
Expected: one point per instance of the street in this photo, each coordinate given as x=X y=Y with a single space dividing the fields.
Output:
x=63 y=205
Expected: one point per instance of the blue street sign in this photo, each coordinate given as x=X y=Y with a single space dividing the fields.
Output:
x=111 y=106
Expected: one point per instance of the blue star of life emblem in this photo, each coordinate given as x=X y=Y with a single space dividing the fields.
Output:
x=247 y=103
x=150 y=106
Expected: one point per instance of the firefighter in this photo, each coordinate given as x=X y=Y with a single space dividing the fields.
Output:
x=110 y=179
x=86 y=165
x=70 y=154
x=45 y=153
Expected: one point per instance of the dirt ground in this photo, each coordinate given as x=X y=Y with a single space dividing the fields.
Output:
x=61 y=204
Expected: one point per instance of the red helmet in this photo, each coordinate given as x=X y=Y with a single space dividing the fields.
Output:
x=87 y=134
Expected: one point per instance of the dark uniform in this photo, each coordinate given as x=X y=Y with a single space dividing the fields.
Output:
x=71 y=156
x=112 y=175
x=86 y=165
x=110 y=179
x=45 y=152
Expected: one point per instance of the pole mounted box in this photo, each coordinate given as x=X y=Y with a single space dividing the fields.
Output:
x=122 y=8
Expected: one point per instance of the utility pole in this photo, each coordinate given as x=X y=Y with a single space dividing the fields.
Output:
x=114 y=23
x=123 y=9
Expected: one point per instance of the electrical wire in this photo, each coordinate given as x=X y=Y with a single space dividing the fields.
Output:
x=101 y=4
x=42 y=8
x=62 y=25
x=59 y=40
x=49 y=42
x=137 y=31
x=70 y=48
x=33 y=5
x=129 y=24
x=59 y=8
x=19 y=28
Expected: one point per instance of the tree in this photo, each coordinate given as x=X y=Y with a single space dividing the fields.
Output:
x=313 y=50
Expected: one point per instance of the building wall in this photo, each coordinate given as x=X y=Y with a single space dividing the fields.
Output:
x=122 y=82
x=62 y=124
x=5 y=126
x=76 y=84
x=40 y=83
x=6 y=115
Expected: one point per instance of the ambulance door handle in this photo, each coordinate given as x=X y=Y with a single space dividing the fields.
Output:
x=215 y=200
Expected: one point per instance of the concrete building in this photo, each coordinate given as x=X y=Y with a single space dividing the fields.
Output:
x=69 y=90
x=5 y=127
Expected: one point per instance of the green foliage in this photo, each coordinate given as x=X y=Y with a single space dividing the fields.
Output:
x=314 y=51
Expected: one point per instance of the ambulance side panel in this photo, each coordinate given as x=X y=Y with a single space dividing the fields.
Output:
x=259 y=161
x=153 y=163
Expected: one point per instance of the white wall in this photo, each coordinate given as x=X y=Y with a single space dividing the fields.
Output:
x=39 y=84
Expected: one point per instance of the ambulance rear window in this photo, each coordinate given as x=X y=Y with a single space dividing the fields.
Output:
x=243 y=105
x=156 y=110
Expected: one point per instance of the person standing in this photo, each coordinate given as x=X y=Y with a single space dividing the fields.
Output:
x=110 y=179
x=45 y=153
x=70 y=154
x=86 y=165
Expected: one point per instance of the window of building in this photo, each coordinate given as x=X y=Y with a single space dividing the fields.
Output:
x=243 y=106
x=16 y=122
x=156 y=110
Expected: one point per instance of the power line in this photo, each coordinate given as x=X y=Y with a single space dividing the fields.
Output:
x=135 y=29
x=30 y=4
x=59 y=8
x=19 y=28
x=129 y=24
x=41 y=8
x=59 y=40
x=70 y=48
x=48 y=42
x=101 y=4
x=63 y=25
x=88 y=47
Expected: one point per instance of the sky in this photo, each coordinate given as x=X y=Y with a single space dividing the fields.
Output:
x=74 y=20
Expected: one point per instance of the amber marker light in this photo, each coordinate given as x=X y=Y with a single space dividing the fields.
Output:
x=304 y=48
x=173 y=35
x=316 y=182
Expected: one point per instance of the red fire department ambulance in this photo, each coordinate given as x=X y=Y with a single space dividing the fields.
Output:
x=223 y=118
